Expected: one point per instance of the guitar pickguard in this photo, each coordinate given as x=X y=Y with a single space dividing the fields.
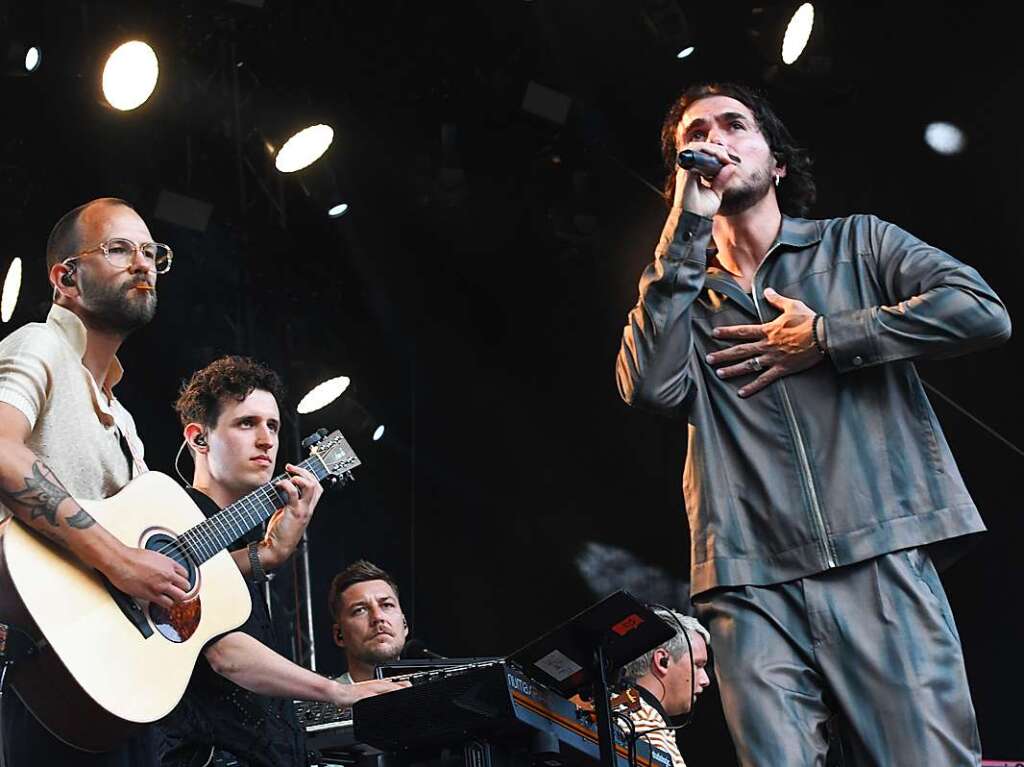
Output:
x=178 y=623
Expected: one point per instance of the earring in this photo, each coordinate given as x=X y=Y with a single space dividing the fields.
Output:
x=778 y=180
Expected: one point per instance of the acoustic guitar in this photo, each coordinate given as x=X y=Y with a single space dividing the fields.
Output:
x=102 y=662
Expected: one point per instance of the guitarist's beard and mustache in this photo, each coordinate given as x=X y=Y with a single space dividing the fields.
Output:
x=115 y=307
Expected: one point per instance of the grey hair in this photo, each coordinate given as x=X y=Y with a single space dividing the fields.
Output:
x=677 y=646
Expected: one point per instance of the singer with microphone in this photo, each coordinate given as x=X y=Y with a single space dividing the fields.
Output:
x=817 y=475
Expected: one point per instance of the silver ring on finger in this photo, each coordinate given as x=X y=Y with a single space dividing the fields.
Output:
x=755 y=364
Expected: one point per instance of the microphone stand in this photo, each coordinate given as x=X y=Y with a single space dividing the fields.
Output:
x=300 y=569
x=302 y=562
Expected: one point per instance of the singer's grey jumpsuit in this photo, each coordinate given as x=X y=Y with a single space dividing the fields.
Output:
x=812 y=502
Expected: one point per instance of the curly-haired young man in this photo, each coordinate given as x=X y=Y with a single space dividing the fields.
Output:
x=239 y=698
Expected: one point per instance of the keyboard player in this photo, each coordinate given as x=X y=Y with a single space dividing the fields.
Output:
x=668 y=679
x=369 y=625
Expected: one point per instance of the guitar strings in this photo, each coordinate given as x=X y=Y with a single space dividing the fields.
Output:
x=219 y=525
x=198 y=540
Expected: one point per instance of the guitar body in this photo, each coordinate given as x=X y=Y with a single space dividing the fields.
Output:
x=105 y=668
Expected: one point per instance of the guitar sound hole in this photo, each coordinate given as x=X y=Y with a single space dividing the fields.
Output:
x=180 y=621
x=168 y=546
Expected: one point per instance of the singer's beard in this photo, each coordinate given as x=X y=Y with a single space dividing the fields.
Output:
x=747 y=195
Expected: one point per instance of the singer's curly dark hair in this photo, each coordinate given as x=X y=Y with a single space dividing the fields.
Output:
x=233 y=376
x=796 y=193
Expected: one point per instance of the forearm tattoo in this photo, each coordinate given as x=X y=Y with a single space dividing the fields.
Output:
x=41 y=496
x=80 y=519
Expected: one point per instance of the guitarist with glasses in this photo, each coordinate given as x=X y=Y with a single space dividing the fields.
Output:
x=64 y=435
x=239 y=699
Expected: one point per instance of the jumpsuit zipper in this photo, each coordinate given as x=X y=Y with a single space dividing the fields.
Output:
x=805 y=466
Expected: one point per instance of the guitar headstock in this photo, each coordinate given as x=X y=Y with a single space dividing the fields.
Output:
x=337 y=455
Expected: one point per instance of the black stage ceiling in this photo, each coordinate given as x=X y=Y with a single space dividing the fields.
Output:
x=475 y=291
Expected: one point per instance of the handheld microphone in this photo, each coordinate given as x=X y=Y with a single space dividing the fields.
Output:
x=704 y=164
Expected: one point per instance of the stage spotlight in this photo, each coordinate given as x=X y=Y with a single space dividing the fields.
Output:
x=798 y=32
x=323 y=394
x=320 y=184
x=358 y=424
x=33 y=58
x=130 y=75
x=12 y=287
x=945 y=138
x=304 y=148
x=668 y=27
x=21 y=58
x=293 y=127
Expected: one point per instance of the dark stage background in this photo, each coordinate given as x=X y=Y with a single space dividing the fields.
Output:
x=476 y=290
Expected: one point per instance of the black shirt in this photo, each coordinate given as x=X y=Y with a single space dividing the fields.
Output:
x=217 y=713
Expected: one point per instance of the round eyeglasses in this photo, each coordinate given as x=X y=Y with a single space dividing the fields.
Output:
x=120 y=253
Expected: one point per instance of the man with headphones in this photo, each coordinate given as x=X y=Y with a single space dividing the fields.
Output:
x=64 y=435
x=238 y=705
x=369 y=625
x=668 y=680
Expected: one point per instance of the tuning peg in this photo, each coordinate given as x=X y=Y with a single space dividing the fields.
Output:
x=313 y=438
x=332 y=481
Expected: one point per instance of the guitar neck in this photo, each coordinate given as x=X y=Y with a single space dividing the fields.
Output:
x=232 y=522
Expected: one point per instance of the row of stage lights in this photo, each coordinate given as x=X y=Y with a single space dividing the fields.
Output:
x=130 y=76
x=132 y=70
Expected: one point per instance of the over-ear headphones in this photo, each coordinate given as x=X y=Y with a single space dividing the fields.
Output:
x=200 y=440
x=68 y=278
x=663 y=662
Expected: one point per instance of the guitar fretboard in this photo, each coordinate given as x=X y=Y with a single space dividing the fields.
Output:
x=228 y=525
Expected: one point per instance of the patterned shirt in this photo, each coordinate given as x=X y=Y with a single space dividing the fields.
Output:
x=652 y=716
